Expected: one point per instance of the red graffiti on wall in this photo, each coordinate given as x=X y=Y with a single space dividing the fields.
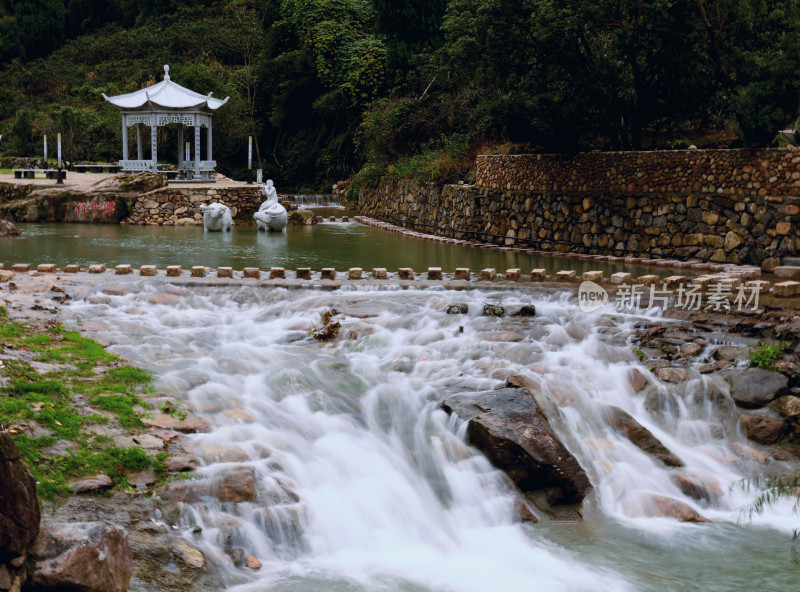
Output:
x=104 y=207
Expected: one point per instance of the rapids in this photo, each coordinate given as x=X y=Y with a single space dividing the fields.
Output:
x=364 y=483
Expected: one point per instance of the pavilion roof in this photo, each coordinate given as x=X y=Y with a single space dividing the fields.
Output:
x=166 y=95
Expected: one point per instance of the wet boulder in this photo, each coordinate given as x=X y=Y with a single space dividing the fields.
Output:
x=8 y=229
x=510 y=429
x=19 y=505
x=700 y=487
x=640 y=436
x=752 y=388
x=234 y=485
x=760 y=428
x=672 y=508
x=85 y=556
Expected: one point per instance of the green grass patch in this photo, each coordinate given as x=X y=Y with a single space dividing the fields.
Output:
x=47 y=399
x=122 y=406
x=128 y=375
x=764 y=355
x=52 y=388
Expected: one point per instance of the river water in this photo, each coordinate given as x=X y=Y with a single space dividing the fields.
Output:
x=386 y=495
x=330 y=244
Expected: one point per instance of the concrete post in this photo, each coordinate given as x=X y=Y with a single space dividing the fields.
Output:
x=124 y=137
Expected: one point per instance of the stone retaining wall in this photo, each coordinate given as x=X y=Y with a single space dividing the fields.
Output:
x=757 y=172
x=170 y=206
x=685 y=204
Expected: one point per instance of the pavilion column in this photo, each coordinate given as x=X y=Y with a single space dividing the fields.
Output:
x=208 y=140
x=181 y=147
x=124 y=137
x=138 y=141
x=197 y=146
x=154 y=142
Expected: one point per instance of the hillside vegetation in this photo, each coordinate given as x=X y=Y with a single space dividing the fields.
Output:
x=333 y=88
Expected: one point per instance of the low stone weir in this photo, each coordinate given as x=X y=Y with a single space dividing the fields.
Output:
x=724 y=285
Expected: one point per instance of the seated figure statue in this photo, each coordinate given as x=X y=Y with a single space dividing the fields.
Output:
x=271 y=215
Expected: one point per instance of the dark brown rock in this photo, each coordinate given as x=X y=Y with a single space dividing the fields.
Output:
x=752 y=388
x=641 y=436
x=760 y=428
x=91 y=484
x=698 y=487
x=637 y=380
x=180 y=462
x=8 y=229
x=189 y=425
x=234 y=485
x=509 y=428
x=672 y=508
x=19 y=504
x=788 y=406
x=82 y=556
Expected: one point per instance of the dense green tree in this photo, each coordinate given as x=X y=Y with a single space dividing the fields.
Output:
x=39 y=25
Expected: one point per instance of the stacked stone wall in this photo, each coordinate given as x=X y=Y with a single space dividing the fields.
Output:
x=174 y=207
x=734 y=173
x=727 y=206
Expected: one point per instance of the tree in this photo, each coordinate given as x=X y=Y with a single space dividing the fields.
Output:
x=39 y=25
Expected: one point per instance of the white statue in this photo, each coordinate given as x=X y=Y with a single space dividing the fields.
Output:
x=271 y=215
x=217 y=216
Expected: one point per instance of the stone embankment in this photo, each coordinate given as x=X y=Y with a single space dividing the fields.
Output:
x=142 y=198
x=736 y=206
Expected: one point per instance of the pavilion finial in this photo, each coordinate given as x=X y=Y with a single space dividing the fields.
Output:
x=166 y=71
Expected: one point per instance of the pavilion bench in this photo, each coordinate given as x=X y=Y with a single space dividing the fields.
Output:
x=31 y=173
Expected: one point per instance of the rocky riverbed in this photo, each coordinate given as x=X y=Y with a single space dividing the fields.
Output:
x=143 y=510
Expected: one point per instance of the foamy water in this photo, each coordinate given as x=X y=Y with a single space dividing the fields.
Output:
x=366 y=484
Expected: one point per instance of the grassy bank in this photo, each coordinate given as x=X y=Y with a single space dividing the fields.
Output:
x=65 y=398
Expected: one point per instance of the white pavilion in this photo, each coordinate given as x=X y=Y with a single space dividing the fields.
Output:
x=160 y=105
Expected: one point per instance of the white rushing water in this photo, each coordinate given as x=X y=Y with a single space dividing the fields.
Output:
x=364 y=483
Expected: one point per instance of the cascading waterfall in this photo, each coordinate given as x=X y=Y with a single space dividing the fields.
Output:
x=315 y=201
x=364 y=483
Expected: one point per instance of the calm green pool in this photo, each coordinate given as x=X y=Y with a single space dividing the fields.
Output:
x=341 y=245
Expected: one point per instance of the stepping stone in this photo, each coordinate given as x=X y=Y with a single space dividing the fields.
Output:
x=621 y=277
x=786 y=289
x=303 y=273
x=174 y=270
x=354 y=273
x=97 y=268
x=252 y=272
x=674 y=281
x=225 y=272
x=434 y=273
x=147 y=270
x=462 y=273
x=379 y=273
x=47 y=268
x=405 y=273
x=566 y=275
x=787 y=272
x=328 y=273
x=20 y=267
x=277 y=273
x=488 y=274
x=592 y=276
x=198 y=271
x=513 y=275
x=538 y=275
x=72 y=269
x=647 y=280
x=123 y=270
